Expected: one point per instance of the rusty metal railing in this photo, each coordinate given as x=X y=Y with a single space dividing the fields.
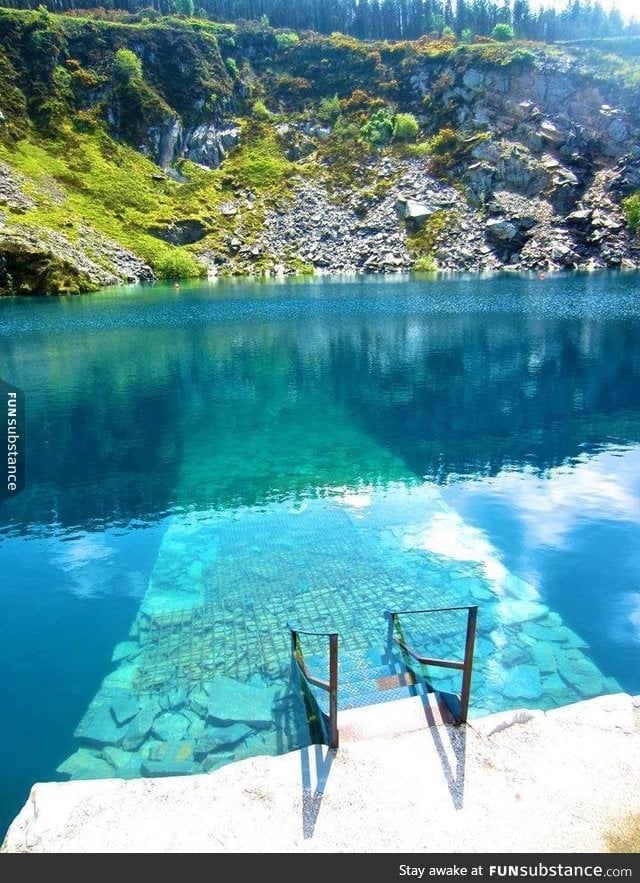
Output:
x=330 y=686
x=466 y=666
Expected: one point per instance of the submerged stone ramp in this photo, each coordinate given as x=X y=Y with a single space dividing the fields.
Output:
x=204 y=676
x=523 y=781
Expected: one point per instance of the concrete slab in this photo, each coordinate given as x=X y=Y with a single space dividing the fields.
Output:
x=524 y=782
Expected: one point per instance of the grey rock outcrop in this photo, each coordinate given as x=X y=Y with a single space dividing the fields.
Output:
x=208 y=145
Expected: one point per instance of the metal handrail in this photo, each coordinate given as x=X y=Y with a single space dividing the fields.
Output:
x=330 y=686
x=466 y=667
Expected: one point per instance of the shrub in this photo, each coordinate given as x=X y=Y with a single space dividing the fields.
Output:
x=359 y=100
x=232 y=67
x=443 y=141
x=286 y=40
x=502 y=32
x=177 y=265
x=329 y=109
x=260 y=110
x=405 y=127
x=379 y=127
x=631 y=206
x=126 y=67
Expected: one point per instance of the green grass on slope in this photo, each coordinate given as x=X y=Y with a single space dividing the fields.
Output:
x=87 y=178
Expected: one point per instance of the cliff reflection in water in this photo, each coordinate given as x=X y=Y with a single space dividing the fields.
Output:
x=139 y=403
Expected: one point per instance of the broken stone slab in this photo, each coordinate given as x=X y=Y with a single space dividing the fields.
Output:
x=215 y=761
x=125 y=764
x=216 y=738
x=172 y=752
x=544 y=658
x=85 y=764
x=514 y=611
x=523 y=682
x=124 y=706
x=125 y=650
x=157 y=768
x=140 y=727
x=515 y=654
x=178 y=697
x=232 y=701
x=551 y=134
x=98 y=727
x=170 y=726
x=123 y=676
x=556 y=688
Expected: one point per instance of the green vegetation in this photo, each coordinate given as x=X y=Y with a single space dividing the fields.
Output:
x=260 y=110
x=631 y=206
x=502 y=32
x=405 y=127
x=286 y=40
x=93 y=103
x=379 y=127
x=126 y=67
x=261 y=164
x=329 y=110
x=422 y=243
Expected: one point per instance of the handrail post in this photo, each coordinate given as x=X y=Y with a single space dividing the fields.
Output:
x=333 y=691
x=468 y=663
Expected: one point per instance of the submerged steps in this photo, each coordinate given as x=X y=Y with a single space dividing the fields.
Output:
x=213 y=623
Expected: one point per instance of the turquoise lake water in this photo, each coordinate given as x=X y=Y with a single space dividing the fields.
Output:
x=204 y=465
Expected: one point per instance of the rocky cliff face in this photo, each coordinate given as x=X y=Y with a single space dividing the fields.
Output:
x=523 y=159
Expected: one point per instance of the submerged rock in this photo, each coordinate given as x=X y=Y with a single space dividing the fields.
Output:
x=233 y=701
x=215 y=738
x=157 y=768
x=85 y=764
x=523 y=682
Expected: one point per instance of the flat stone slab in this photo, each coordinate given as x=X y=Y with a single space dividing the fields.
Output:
x=232 y=701
x=85 y=764
x=156 y=768
x=171 y=726
x=523 y=682
x=140 y=727
x=124 y=706
x=98 y=726
x=216 y=738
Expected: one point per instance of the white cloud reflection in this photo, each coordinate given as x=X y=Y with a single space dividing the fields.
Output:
x=604 y=486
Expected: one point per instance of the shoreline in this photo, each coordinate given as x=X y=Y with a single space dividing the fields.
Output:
x=518 y=781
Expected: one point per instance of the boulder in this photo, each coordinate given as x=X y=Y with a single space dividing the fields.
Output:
x=501 y=230
x=551 y=134
x=208 y=145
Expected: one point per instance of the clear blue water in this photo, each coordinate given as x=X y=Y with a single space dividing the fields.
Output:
x=204 y=465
